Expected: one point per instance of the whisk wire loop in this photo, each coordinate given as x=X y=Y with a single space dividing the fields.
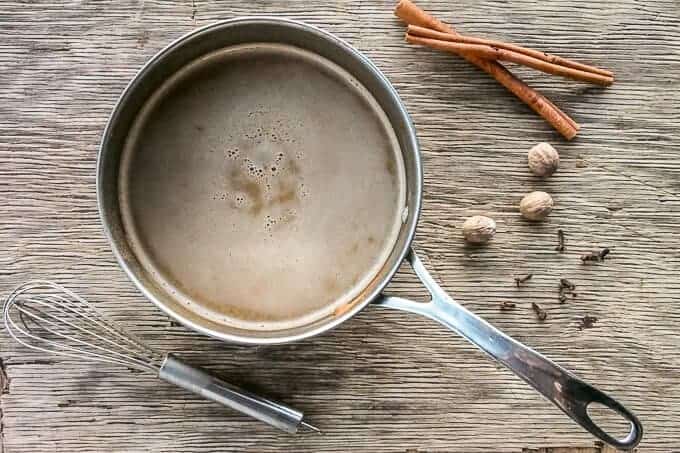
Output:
x=108 y=330
x=64 y=323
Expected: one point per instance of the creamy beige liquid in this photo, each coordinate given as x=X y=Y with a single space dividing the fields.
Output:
x=262 y=186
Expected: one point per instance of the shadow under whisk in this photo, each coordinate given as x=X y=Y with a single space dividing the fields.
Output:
x=47 y=317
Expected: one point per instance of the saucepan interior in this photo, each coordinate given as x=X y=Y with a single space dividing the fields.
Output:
x=153 y=86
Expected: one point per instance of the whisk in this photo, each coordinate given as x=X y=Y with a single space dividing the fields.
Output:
x=47 y=317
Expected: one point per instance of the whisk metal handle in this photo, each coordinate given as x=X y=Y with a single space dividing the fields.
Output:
x=202 y=383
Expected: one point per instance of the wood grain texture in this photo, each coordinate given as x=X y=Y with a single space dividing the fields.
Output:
x=384 y=381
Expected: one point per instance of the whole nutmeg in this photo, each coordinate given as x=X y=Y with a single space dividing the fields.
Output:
x=479 y=229
x=543 y=159
x=536 y=206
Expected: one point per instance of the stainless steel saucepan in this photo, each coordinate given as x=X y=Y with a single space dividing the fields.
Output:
x=566 y=391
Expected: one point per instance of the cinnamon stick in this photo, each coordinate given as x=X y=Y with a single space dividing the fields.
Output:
x=412 y=15
x=566 y=117
x=539 y=103
x=429 y=33
x=493 y=53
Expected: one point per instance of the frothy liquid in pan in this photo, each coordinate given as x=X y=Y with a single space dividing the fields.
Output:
x=262 y=186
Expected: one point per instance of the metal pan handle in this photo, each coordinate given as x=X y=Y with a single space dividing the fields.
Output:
x=565 y=390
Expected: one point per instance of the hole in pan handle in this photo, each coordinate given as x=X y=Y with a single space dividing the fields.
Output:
x=565 y=390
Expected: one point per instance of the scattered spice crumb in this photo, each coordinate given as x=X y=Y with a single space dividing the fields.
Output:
x=587 y=322
x=562 y=298
x=507 y=305
x=540 y=313
x=560 y=241
x=595 y=256
x=143 y=39
x=520 y=280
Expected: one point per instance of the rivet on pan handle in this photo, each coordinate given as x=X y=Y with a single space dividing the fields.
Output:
x=564 y=389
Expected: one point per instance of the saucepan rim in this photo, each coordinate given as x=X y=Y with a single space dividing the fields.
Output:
x=414 y=182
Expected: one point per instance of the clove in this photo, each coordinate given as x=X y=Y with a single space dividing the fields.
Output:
x=540 y=313
x=520 y=280
x=566 y=285
x=560 y=241
x=587 y=322
x=507 y=305
x=566 y=288
x=590 y=257
x=595 y=256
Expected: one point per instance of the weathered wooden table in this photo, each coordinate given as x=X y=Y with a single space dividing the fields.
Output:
x=384 y=381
